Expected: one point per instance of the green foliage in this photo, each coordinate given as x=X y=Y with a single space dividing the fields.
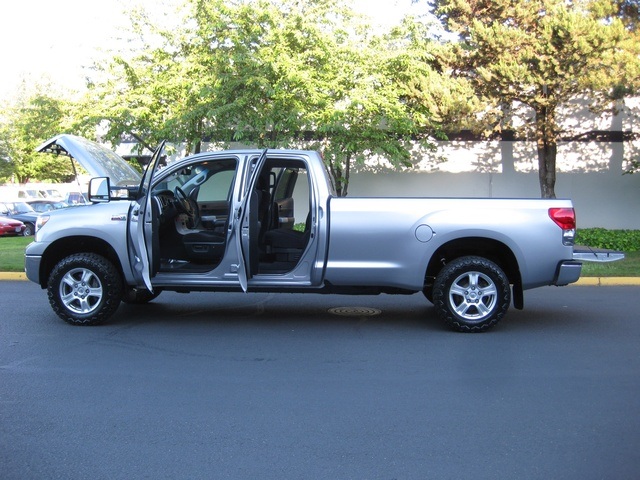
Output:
x=278 y=74
x=622 y=240
x=33 y=117
x=541 y=55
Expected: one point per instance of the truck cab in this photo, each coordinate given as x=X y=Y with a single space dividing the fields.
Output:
x=217 y=220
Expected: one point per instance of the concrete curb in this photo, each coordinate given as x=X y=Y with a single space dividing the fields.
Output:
x=608 y=281
x=13 y=276
x=584 y=281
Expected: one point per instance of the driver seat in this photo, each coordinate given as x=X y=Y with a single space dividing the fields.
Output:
x=200 y=243
x=204 y=245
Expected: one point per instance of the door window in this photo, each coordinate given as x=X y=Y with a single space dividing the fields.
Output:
x=284 y=214
x=194 y=214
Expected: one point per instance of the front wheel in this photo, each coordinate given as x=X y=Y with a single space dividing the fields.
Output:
x=84 y=289
x=471 y=294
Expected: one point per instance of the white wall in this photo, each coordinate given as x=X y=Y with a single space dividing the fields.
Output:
x=589 y=173
x=601 y=199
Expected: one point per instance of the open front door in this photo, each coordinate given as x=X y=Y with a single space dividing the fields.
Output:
x=246 y=223
x=143 y=228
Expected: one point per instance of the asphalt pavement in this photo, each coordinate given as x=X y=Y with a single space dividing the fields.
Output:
x=264 y=386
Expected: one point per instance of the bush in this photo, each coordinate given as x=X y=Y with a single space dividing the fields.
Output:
x=624 y=240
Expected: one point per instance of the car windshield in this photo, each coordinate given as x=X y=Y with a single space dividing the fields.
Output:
x=19 y=207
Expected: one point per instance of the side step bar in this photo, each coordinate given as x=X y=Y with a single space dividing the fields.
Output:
x=588 y=254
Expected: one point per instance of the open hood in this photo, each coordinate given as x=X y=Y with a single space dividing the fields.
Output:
x=94 y=158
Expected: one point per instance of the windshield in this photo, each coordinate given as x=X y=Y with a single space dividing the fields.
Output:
x=18 y=207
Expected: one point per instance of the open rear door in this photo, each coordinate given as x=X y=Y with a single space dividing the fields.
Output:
x=246 y=223
x=143 y=226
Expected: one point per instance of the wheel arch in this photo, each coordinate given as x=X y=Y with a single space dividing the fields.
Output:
x=66 y=246
x=489 y=248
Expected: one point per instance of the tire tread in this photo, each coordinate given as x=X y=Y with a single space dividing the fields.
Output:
x=109 y=276
x=458 y=266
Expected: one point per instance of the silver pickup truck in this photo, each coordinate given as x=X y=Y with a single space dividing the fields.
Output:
x=269 y=221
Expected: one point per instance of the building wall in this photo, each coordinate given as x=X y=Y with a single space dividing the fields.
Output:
x=589 y=173
x=598 y=148
x=601 y=199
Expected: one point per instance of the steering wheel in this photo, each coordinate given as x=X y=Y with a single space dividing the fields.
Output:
x=188 y=206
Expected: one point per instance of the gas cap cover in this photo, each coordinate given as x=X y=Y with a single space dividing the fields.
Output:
x=424 y=233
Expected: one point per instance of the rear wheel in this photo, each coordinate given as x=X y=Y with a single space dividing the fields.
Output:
x=84 y=289
x=471 y=294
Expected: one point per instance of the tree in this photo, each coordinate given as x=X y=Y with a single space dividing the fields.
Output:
x=540 y=54
x=148 y=93
x=35 y=116
x=268 y=73
x=629 y=13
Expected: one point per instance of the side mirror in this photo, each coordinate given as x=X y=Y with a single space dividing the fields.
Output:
x=99 y=189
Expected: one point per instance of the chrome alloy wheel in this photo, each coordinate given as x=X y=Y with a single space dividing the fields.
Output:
x=81 y=290
x=473 y=296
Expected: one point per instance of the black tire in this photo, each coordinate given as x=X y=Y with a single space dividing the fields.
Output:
x=29 y=230
x=471 y=294
x=84 y=289
x=428 y=293
x=139 y=296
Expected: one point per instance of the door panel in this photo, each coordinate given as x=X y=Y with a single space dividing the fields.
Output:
x=220 y=209
x=246 y=223
x=214 y=214
x=143 y=225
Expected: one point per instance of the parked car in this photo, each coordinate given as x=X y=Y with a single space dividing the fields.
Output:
x=75 y=198
x=11 y=227
x=23 y=212
x=46 y=205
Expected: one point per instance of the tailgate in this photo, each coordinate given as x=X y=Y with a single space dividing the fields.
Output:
x=588 y=254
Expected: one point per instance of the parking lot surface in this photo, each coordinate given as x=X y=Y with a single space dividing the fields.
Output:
x=283 y=386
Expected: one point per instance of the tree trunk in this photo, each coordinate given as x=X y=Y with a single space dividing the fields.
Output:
x=340 y=175
x=347 y=174
x=547 y=150
x=547 y=145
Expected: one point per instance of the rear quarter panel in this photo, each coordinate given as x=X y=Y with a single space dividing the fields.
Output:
x=373 y=241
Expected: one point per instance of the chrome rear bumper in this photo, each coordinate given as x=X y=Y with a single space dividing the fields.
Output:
x=568 y=272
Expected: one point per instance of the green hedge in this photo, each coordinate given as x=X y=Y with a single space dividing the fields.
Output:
x=624 y=240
